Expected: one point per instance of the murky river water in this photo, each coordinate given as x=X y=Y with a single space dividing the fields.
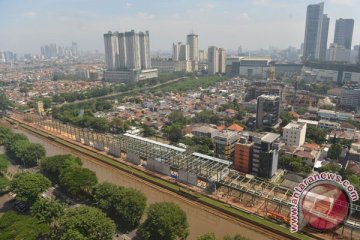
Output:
x=200 y=219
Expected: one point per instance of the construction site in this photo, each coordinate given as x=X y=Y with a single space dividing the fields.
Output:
x=200 y=173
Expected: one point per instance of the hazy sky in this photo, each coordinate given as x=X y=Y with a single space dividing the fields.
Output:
x=25 y=25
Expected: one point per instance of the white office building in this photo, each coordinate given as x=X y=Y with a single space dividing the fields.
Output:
x=294 y=134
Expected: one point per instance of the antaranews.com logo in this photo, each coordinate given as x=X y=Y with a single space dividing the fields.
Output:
x=322 y=201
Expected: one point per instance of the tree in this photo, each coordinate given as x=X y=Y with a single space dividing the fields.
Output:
x=331 y=167
x=78 y=181
x=166 y=221
x=295 y=164
x=55 y=165
x=47 y=210
x=208 y=236
x=26 y=152
x=4 y=102
x=315 y=134
x=211 y=236
x=174 y=132
x=84 y=222
x=28 y=186
x=334 y=151
x=124 y=205
x=16 y=226
x=4 y=163
x=5 y=134
x=148 y=131
x=34 y=153
x=177 y=117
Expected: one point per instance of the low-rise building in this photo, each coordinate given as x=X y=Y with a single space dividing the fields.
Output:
x=225 y=144
x=328 y=124
x=294 y=134
x=204 y=131
x=243 y=154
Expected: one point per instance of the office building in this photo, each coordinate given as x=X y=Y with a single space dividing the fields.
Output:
x=255 y=67
x=127 y=57
x=350 y=97
x=203 y=56
x=344 y=32
x=338 y=53
x=243 y=154
x=316 y=33
x=324 y=37
x=175 y=51
x=222 y=60
x=267 y=111
x=265 y=154
x=294 y=134
x=193 y=42
x=216 y=60
x=180 y=52
x=224 y=144
x=213 y=60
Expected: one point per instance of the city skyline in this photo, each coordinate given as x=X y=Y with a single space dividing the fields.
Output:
x=228 y=24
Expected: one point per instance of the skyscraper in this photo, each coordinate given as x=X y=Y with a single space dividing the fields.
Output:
x=126 y=55
x=316 y=32
x=344 y=32
x=193 y=42
x=175 y=51
x=222 y=60
x=267 y=111
x=324 y=37
x=213 y=60
x=111 y=50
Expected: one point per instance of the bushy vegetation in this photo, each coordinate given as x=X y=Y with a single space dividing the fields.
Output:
x=28 y=186
x=314 y=134
x=16 y=226
x=4 y=102
x=83 y=222
x=294 y=164
x=211 y=236
x=190 y=84
x=71 y=114
x=116 y=88
x=166 y=221
x=124 y=205
x=20 y=148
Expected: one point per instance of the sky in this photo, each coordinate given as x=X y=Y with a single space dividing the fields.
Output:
x=25 y=25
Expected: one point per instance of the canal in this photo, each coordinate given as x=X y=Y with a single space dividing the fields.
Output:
x=201 y=219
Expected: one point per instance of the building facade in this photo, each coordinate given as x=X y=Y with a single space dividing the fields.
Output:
x=315 y=32
x=338 y=53
x=265 y=155
x=344 y=32
x=267 y=111
x=127 y=56
x=213 y=60
x=193 y=42
x=224 y=144
x=294 y=134
x=243 y=155
x=222 y=60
